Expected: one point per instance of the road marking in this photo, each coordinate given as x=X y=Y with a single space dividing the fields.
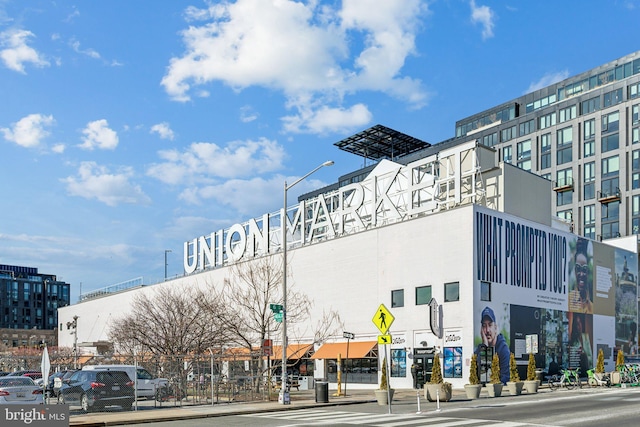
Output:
x=322 y=416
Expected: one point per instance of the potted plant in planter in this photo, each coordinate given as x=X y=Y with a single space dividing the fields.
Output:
x=473 y=388
x=437 y=388
x=514 y=384
x=384 y=394
x=495 y=385
x=531 y=384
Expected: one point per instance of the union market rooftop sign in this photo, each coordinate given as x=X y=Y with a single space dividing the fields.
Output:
x=391 y=193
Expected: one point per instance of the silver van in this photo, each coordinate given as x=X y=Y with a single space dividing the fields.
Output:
x=146 y=385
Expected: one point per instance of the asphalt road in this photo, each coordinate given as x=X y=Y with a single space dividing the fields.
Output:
x=586 y=407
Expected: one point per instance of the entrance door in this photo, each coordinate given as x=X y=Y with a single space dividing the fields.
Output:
x=424 y=364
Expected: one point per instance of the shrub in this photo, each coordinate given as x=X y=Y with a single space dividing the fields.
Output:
x=620 y=358
x=473 y=370
x=383 y=377
x=600 y=363
x=531 y=368
x=495 y=370
x=436 y=372
x=513 y=369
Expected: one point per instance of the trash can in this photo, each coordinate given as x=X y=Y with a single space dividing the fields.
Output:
x=322 y=392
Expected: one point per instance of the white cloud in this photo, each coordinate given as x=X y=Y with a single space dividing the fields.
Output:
x=301 y=49
x=163 y=130
x=16 y=52
x=96 y=182
x=99 y=135
x=247 y=114
x=547 y=80
x=91 y=53
x=58 y=148
x=29 y=131
x=485 y=16
x=326 y=119
x=203 y=161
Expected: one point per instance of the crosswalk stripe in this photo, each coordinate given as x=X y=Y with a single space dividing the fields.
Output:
x=322 y=416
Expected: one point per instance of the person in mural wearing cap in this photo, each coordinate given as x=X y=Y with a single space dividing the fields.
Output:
x=492 y=338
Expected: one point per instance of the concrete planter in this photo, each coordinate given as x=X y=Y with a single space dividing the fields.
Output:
x=515 y=388
x=433 y=392
x=531 y=386
x=495 y=390
x=473 y=390
x=382 y=397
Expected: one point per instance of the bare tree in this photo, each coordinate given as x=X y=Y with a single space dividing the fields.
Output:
x=171 y=323
x=248 y=292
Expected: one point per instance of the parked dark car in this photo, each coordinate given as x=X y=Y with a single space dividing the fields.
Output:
x=55 y=381
x=98 y=389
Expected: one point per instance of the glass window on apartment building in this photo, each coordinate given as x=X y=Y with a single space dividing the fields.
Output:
x=634 y=90
x=610 y=226
x=490 y=140
x=397 y=298
x=589 y=221
x=590 y=105
x=567 y=114
x=635 y=214
x=589 y=185
x=507 y=155
x=589 y=138
x=423 y=295
x=526 y=128
x=635 y=135
x=612 y=98
x=610 y=143
x=564 y=140
x=635 y=112
x=610 y=184
x=611 y=122
x=545 y=151
x=566 y=215
x=524 y=155
x=564 y=177
x=635 y=167
x=547 y=120
x=507 y=134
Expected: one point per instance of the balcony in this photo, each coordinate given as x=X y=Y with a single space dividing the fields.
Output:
x=562 y=185
x=610 y=196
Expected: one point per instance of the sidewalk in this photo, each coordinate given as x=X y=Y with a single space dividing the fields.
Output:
x=299 y=400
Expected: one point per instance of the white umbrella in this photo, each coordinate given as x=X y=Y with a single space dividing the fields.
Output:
x=45 y=366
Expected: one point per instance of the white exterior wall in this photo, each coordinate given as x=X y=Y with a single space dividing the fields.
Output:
x=353 y=275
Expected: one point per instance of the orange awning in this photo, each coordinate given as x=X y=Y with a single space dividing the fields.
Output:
x=294 y=351
x=357 y=350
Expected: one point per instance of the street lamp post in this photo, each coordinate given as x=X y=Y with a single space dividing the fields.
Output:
x=166 y=251
x=284 y=388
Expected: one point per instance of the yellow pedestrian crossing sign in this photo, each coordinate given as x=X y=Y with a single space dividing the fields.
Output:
x=384 y=339
x=383 y=319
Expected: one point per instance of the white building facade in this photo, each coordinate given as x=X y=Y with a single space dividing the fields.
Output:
x=454 y=227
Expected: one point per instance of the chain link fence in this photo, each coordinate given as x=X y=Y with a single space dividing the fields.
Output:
x=177 y=380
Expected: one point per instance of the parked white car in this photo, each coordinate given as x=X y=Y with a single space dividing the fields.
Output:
x=20 y=391
x=146 y=385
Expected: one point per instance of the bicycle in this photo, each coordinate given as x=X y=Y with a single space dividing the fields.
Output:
x=565 y=380
x=576 y=377
x=597 y=379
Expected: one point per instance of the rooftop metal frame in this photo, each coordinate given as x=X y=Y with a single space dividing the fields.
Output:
x=380 y=142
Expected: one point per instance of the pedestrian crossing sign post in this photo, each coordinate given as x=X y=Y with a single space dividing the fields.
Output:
x=384 y=339
x=383 y=319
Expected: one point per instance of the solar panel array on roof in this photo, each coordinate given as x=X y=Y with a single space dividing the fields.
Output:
x=380 y=142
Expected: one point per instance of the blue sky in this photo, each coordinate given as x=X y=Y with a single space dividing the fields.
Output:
x=129 y=127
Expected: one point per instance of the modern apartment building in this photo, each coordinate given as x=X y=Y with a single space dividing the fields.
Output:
x=583 y=134
x=30 y=300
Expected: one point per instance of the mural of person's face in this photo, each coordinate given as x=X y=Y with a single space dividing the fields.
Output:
x=582 y=271
x=489 y=331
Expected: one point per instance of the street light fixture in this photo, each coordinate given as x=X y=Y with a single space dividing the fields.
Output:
x=166 y=251
x=284 y=388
